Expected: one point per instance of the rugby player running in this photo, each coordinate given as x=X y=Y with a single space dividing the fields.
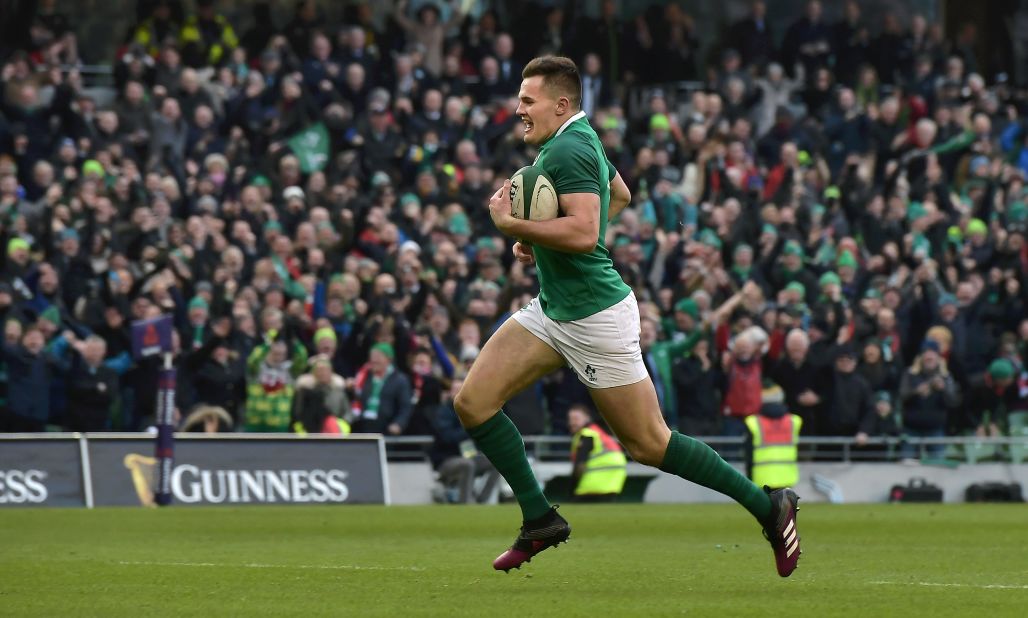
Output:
x=586 y=317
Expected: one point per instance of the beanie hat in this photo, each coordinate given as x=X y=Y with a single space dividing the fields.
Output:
x=51 y=314
x=688 y=307
x=847 y=259
x=1001 y=369
x=660 y=121
x=977 y=226
x=385 y=348
x=198 y=302
x=829 y=278
x=324 y=333
x=16 y=243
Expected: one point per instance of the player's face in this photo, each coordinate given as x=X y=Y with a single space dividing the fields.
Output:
x=538 y=109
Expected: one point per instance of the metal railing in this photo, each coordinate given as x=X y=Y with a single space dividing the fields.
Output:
x=816 y=448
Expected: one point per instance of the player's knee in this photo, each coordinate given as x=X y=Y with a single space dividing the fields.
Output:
x=470 y=411
x=646 y=452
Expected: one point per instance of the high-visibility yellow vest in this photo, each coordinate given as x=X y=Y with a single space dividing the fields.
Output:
x=774 y=449
x=605 y=470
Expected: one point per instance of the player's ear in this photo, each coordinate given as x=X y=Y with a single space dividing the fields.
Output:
x=563 y=105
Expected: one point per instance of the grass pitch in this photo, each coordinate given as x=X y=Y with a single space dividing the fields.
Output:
x=623 y=560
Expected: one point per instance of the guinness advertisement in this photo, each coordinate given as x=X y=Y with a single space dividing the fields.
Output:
x=241 y=470
x=207 y=470
x=40 y=471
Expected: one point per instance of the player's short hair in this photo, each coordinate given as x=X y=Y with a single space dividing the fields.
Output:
x=559 y=73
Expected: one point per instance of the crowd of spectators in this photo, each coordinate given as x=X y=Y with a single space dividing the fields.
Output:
x=308 y=201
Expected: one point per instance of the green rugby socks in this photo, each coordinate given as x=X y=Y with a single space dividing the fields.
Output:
x=501 y=443
x=695 y=461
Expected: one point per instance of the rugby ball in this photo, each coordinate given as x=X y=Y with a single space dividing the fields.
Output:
x=532 y=195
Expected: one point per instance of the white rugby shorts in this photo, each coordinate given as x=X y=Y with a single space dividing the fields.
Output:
x=602 y=349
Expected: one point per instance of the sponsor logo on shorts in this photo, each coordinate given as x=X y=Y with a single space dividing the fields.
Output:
x=590 y=373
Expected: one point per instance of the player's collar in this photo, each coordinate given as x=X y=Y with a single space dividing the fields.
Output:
x=580 y=114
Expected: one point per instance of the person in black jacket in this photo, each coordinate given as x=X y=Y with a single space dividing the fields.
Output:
x=927 y=391
x=385 y=395
x=699 y=401
x=801 y=380
x=30 y=370
x=850 y=406
x=217 y=372
x=92 y=387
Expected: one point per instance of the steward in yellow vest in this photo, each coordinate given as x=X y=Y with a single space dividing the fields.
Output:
x=774 y=434
x=600 y=467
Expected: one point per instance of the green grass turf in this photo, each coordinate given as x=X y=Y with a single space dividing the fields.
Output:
x=637 y=560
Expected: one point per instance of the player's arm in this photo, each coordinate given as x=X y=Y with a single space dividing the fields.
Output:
x=577 y=231
x=620 y=196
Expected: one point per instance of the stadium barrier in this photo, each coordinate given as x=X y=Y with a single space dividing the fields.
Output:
x=70 y=469
x=89 y=470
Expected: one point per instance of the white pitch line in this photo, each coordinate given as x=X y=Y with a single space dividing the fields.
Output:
x=258 y=565
x=949 y=585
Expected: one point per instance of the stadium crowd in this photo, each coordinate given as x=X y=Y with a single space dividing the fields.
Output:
x=308 y=201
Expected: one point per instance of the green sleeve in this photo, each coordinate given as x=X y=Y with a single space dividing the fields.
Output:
x=256 y=358
x=685 y=346
x=299 y=359
x=611 y=171
x=573 y=165
x=958 y=142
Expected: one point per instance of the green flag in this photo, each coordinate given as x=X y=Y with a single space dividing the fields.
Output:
x=311 y=146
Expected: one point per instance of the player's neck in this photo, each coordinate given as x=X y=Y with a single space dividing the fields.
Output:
x=574 y=117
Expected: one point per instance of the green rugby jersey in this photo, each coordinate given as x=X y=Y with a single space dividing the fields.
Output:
x=576 y=285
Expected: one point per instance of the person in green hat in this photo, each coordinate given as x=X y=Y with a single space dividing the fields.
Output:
x=791 y=268
x=742 y=264
x=198 y=311
x=847 y=267
x=831 y=286
x=992 y=398
x=793 y=299
x=383 y=394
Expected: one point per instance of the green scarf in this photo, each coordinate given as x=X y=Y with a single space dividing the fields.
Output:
x=374 y=399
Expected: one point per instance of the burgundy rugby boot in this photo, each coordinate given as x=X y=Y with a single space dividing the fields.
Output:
x=780 y=529
x=536 y=535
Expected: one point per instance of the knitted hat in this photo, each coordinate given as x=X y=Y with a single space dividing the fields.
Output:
x=660 y=121
x=793 y=248
x=977 y=226
x=51 y=314
x=16 y=243
x=688 y=307
x=847 y=259
x=460 y=225
x=829 y=278
x=324 y=333
x=796 y=286
x=385 y=348
x=198 y=302
x=710 y=238
x=92 y=166
x=915 y=211
x=1001 y=369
